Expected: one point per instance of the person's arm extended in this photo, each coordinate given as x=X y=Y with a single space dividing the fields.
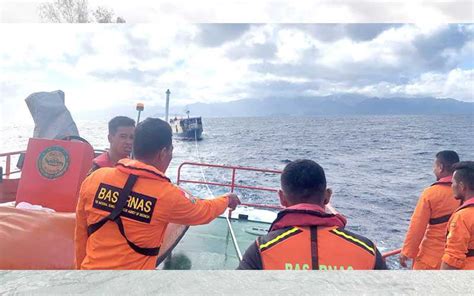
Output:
x=416 y=230
x=194 y=211
x=456 y=244
x=80 y=232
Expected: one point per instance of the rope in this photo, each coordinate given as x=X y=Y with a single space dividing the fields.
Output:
x=227 y=213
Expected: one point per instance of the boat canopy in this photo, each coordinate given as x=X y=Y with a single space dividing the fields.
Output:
x=52 y=118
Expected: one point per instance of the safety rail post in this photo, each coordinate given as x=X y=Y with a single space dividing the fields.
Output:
x=7 y=169
x=233 y=181
x=178 y=178
x=229 y=217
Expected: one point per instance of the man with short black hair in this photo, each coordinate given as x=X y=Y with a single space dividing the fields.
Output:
x=123 y=212
x=121 y=131
x=304 y=236
x=426 y=235
x=459 y=251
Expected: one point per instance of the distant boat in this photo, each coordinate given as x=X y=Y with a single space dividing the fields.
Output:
x=189 y=128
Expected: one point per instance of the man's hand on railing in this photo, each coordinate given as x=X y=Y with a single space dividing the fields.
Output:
x=403 y=260
x=233 y=200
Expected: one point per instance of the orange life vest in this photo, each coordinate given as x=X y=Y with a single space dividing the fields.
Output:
x=103 y=161
x=459 y=251
x=426 y=236
x=303 y=237
x=113 y=232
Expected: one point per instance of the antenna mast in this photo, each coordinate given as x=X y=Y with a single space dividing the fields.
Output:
x=167 y=104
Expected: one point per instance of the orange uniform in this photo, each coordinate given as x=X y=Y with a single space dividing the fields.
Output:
x=153 y=203
x=426 y=235
x=304 y=237
x=459 y=250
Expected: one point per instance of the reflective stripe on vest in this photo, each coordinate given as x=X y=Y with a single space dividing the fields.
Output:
x=281 y=237
x=115 y=217
x=315 y=248
x=354 y=240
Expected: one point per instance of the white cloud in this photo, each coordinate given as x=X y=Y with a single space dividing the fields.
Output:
x=104 y=66
x=456 y=84
x=291 y=43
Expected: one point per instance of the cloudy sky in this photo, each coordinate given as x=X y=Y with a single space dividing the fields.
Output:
x=108 y=66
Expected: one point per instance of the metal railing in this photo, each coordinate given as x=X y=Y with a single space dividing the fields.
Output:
x=232 y=185
x=8 y=157
x=391 y=253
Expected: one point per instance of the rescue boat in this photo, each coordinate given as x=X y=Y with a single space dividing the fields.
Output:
x=45 y=240
x=47 y=177
x=37 y=239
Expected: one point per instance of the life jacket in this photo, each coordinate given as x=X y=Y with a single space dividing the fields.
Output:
x=304 y=237
x=118 y=209
x=110 y=235
x=115 y=216
x=103 y=161
x=446 y=181
x=467 y=204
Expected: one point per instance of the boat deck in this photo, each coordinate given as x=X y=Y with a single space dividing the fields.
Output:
x=210 y=247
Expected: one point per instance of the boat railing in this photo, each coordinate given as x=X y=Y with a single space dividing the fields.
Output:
x=7 y=159
x=391 y=253
x=232 y=183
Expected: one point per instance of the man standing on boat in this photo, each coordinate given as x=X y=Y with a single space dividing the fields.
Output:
x=123 y=212
x=304 y=236
x=121 y=130
x=426 y=235
x=459 y=251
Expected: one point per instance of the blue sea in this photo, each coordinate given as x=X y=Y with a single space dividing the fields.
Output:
x=377 y=166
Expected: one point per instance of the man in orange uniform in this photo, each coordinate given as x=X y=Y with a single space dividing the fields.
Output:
x=121 y=130
x=426 y=235
x=459 y=251
x=123 y=212
x=304 y=236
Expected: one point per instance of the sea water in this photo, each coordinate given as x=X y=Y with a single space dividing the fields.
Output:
x=377 y=166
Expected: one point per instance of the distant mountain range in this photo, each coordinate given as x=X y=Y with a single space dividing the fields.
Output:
x=331 y=105
x=345 y=104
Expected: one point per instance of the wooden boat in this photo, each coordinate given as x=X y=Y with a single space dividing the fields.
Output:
x=189 y=128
